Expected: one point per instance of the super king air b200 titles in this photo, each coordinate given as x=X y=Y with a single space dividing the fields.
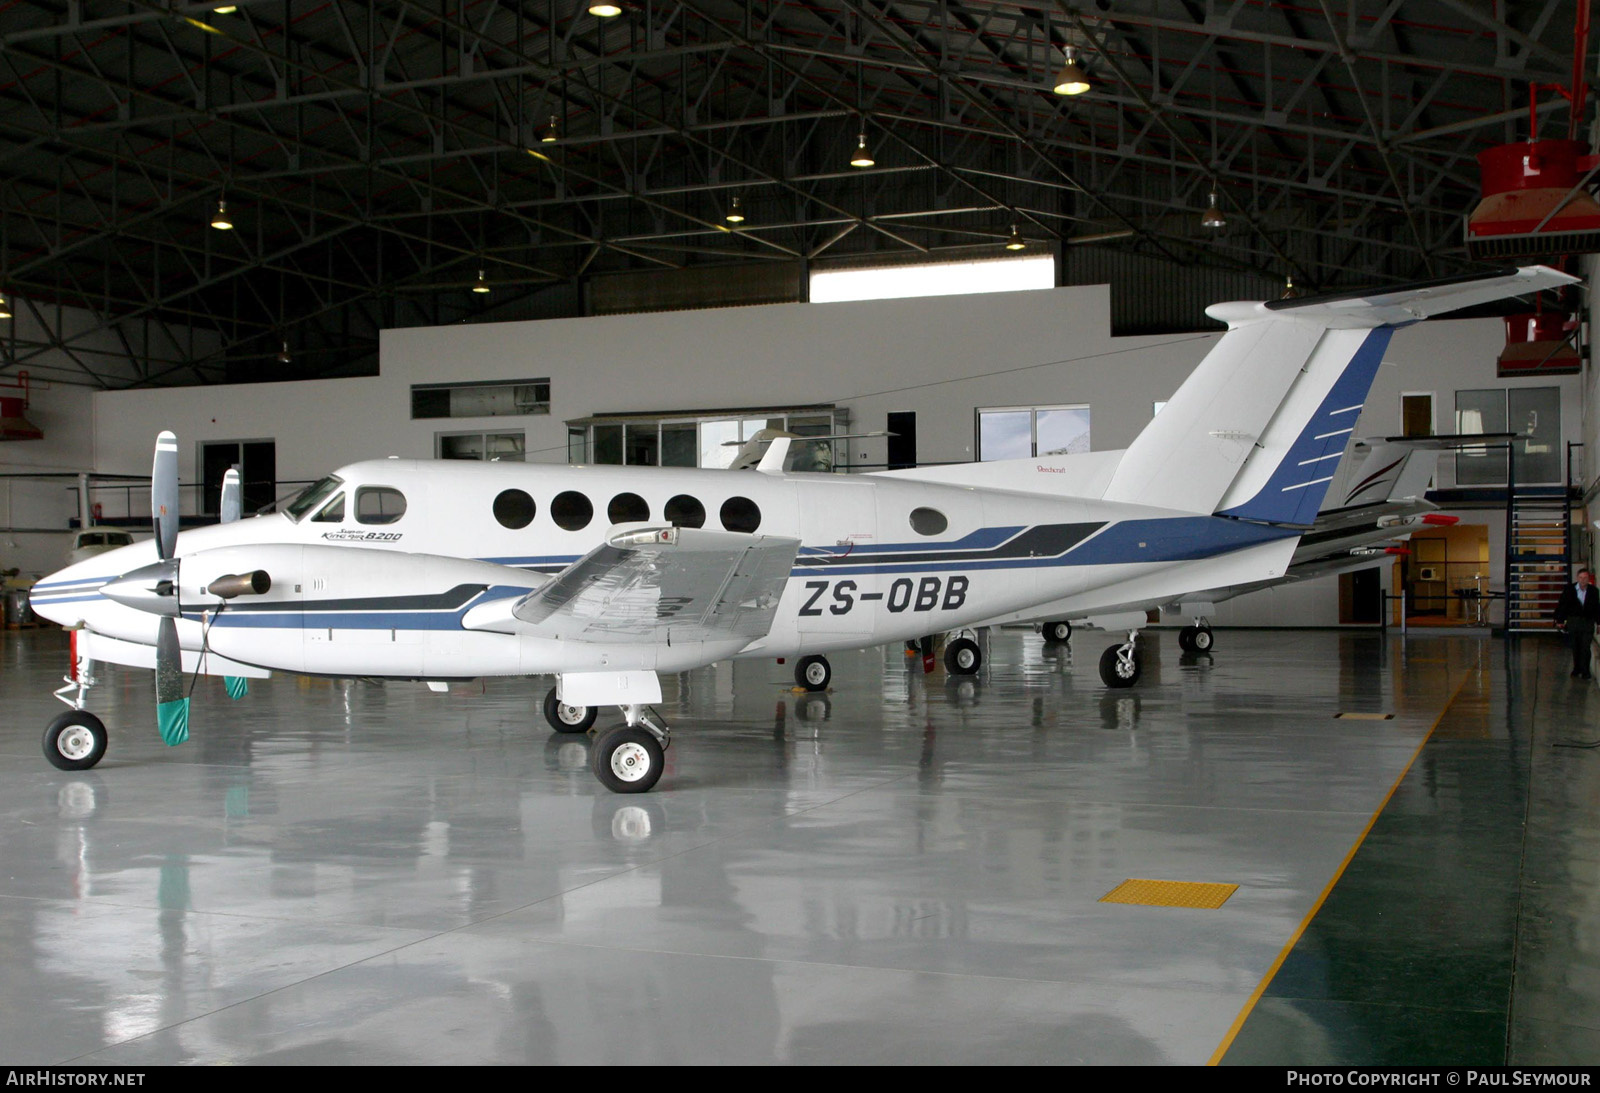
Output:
x=606 y=577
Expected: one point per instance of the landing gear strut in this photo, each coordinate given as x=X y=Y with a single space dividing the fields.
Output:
x=1119 y=664
x=77 y=739
x=629 y=758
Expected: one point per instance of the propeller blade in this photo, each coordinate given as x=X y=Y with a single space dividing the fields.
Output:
x=164 y=494
x=172 y=705
x=232 y=496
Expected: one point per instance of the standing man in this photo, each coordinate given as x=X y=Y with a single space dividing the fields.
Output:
x=1577 y=614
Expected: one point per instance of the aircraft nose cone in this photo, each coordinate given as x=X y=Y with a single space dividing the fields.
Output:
x=152 y=588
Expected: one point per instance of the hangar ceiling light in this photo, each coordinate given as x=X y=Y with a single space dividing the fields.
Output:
x=1016 y=242
x=735 y=213
x=1212 y=218
x=862 y=158
x=219 y=219
x=1071 y=80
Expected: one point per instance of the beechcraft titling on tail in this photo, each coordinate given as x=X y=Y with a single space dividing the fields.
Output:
x=606 y=577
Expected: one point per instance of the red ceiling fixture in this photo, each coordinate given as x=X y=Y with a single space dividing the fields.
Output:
x=13 y=425
x=1540 y=344
x=1535 y=198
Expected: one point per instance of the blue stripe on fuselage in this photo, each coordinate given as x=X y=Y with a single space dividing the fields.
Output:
x=1164 y=539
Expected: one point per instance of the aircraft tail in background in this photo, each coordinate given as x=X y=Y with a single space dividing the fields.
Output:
x=1257 y=430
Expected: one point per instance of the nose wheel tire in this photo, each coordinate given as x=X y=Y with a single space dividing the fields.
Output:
x=75 y=741
x=565 y=718
x=1119 y=671
x=813 y=673
x=1195 y=639
x=627 y=760
x=962 y=657
x=1058 y=631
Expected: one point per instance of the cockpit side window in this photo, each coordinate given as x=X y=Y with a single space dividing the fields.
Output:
x=332 y=512
x=379 y=505
x=312 y=496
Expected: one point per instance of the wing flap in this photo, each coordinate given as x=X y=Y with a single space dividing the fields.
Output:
x=666 y=586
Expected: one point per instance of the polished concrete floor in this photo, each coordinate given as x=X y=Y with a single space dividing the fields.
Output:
x=908 y=869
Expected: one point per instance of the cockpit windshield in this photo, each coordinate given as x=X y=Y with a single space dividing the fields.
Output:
x=311 y=497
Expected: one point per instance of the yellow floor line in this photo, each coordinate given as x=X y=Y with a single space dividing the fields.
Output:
x=1266 y=980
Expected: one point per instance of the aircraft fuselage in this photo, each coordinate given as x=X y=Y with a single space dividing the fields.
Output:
x=359 y=590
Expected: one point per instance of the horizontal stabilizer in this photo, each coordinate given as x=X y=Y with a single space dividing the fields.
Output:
x=1410 y=303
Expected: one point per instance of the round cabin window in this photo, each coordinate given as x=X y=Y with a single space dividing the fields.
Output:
x=684 y=511
x=627 y=508
x=740 y=514
x=571 y=510
x=928 y=521
x=514 y=509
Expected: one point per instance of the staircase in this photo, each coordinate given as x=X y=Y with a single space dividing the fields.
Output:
x=1538 y=554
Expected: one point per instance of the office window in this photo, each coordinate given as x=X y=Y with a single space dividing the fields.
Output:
x=491 y=447
x=1532 y=415
x=1021 y=432
x=709 y=440
x=493 y=398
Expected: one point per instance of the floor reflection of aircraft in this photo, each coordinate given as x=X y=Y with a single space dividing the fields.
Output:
x=607 y=576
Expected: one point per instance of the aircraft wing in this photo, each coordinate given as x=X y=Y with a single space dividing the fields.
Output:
x=663 y=585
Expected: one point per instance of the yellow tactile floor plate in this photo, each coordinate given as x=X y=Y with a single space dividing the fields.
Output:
x=1171 y=893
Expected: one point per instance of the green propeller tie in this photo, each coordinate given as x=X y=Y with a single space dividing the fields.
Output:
x=173 y=720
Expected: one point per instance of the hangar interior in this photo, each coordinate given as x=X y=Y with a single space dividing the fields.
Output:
x=300 y=235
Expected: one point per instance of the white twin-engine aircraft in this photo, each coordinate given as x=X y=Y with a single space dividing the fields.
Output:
x=606 y=577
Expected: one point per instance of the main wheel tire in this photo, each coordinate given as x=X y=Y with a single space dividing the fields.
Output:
x=565 y=718
x=1186 y=638
x=962 y=657
x=75 y=741
x=627 y=760
x=1114 y=672
x=1202 y=640
x=1058 y=631
x=813 y=673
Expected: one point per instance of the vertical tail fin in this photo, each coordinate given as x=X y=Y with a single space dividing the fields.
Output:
x=1257 y=429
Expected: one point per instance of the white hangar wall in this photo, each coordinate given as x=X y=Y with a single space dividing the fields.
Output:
x=939 y=357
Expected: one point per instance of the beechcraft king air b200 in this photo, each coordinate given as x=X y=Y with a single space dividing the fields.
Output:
x=606 y=577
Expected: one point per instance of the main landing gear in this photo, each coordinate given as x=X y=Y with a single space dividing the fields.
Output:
x=1119 y=664
x=564 y=718
x=1058 y=631
x=813 y=673
x=962 y=657
x=77 y=739
x=1196 y=638
x=629 y=758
